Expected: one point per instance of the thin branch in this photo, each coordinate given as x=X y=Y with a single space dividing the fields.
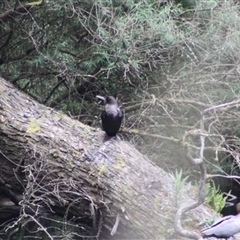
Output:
x=201 y=191
x=223 y=176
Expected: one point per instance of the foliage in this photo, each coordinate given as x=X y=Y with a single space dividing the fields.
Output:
x=167 y=60
x=214 y=197
x=180 y=185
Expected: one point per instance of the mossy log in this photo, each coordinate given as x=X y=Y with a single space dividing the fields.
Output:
x=53 y=161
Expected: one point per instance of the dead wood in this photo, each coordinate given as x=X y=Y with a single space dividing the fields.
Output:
x=61 y=165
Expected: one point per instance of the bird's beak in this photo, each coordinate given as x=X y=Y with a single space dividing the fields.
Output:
x=101 y=98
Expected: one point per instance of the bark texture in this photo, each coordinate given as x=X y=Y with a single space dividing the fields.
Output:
x=55 y=161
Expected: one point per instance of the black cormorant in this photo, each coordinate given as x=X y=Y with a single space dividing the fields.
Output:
x=111 y=116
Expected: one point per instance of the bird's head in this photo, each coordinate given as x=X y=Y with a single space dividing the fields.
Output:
x=108 y=99
x=111 y=100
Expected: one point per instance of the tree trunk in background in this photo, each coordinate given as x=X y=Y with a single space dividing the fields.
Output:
x=51 y=160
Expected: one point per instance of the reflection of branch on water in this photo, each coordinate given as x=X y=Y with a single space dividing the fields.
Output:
x=230 y=199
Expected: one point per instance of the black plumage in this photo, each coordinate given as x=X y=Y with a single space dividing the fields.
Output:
x=111 y=116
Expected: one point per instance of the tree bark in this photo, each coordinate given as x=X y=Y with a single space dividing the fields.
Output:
x=55 y=161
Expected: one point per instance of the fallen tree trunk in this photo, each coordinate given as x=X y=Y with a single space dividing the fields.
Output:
x=51 y=160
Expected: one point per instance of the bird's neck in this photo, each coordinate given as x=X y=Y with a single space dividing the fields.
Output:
x=112 y=109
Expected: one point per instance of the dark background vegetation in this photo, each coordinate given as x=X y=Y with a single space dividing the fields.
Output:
x=166 y=61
